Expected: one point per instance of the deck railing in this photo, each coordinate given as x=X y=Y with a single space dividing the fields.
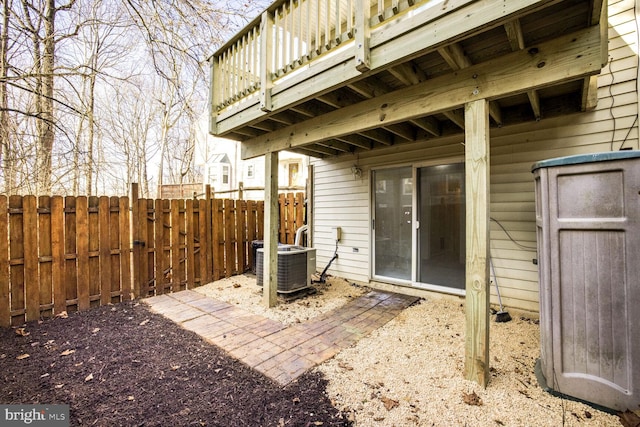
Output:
x=290 y=34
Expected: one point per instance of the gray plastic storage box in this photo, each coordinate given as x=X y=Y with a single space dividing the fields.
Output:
x=296 y=264
x=588 y=226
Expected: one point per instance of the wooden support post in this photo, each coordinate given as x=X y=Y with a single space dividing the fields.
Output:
x=271 y=215
x=266 y=66
x=309 y=205
x=214 y=98
x=477 y=243
x=362 y=36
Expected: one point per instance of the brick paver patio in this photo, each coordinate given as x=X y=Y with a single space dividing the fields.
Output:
x=270 y=347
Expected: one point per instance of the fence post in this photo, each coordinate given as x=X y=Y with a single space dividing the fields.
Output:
x=137 y=242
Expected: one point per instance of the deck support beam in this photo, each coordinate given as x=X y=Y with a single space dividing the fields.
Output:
x=477 y=241
x=271 y=215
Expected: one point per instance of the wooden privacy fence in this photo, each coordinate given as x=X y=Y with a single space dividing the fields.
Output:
x=72 y=253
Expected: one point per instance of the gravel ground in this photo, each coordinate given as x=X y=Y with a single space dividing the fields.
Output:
x=410 y=371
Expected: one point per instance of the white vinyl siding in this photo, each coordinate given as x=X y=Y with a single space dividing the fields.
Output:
x=344 y=200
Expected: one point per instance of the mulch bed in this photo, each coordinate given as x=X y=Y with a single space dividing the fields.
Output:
x=123 y=365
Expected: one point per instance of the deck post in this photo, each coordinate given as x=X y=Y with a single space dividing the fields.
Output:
x=477 y=241
x=213 y=102
x=266 y=63
x=362 y=35
x=271 y=216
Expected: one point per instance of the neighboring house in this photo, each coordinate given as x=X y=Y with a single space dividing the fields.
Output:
x=225 y=172
x=418 y=112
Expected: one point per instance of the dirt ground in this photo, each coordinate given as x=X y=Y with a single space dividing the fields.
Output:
x=122 y=365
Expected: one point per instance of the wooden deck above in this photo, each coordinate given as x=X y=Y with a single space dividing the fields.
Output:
x=327 y=77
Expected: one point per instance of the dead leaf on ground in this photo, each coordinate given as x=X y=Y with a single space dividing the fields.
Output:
x=62 y=315
x=144 y=322
x=389 y=404
x=22 y=356
x=67 y=352
x=296 y=400
x=88 y=378
x=58 y=386
x=345 y=366
x=22 y=332
x=471 y=399
x=95 y=330
x=175 y=367
x=237 y=285
x=131 y=398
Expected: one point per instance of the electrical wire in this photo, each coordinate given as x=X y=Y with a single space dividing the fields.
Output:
x=511 y=237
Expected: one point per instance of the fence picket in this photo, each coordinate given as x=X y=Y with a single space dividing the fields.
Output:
x=218 y=239
x=104 y=244
x=16 y=260
x=149 y=248
x=82 y=251
x=125 y=248
x=93 y=221
x=190 y=242
x=70 y=245
x=45 y=302
x=32 y=285
x=201 y=270
x=114 y=253
x=229 y=237
x=57 y=254
x=241 y=235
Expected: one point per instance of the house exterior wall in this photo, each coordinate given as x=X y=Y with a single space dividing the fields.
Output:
x=343 y=199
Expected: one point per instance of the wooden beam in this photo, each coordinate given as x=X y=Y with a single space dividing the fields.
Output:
x=516 y=39
x=271 y=217
x=456 y=117
x=534 y=100
x=356 y=140
x=589 y=93
x=566 y=58
x=429 y=124
x=403 y=130
x=514 y=34
x=477 y=242
x=337 y=145
x=408 y=73
x=378 y=135
x=362 y=36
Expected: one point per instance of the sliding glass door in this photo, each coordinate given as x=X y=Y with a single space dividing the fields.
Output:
x=419 y=230
x=441 y=235
x=392 y=222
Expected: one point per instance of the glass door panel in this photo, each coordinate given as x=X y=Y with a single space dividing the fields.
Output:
x=393 y=217
x=441 y=236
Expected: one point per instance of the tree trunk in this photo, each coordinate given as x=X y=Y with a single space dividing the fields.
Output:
x=45 y=125
x=5 y=141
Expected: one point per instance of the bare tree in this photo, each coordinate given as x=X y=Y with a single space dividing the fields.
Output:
x=66 y=65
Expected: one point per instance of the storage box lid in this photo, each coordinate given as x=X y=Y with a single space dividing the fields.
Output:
x=586 y=158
